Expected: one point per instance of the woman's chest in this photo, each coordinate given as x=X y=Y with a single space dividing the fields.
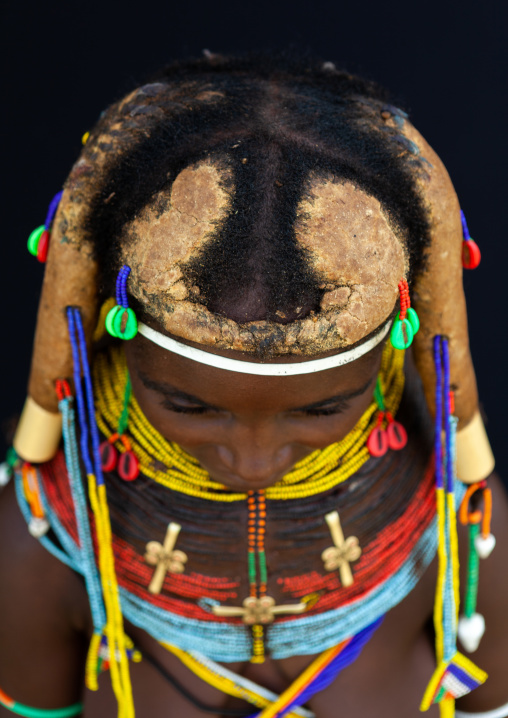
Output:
x=388 y=676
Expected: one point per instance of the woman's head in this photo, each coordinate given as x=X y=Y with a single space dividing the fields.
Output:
x=268 y=208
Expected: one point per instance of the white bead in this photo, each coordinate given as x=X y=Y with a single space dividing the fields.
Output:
x=470 y=631
x=485 y=545
x=5 y=474
x=38 y=527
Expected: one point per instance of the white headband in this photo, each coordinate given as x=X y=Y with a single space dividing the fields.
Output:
x=250 y=367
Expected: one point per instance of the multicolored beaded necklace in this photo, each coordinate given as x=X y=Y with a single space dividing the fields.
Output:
x=319 y=472
x=325 y=626
x=286 y=637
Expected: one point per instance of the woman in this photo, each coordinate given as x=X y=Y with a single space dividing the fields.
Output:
x=261 y=468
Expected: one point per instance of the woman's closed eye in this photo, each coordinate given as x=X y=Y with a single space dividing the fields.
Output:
x=174 y=399
x=186 y=408
x=334 y=404
x=326 y=409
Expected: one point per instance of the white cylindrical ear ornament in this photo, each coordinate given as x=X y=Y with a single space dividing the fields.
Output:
x=438 y=297
x=38 y=433
x=475 y=460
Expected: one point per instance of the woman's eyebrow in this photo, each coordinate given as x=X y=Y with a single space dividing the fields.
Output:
x=337 y=398
x=171 y=392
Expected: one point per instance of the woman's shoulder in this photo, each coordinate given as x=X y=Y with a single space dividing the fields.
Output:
x=43 y=614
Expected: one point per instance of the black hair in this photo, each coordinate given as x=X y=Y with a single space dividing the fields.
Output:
x=274 y=119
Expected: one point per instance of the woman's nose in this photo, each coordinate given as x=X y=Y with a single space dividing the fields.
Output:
x=257 y=453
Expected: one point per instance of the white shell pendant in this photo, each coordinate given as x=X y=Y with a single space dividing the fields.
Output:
x=470 y=631
x=485 y=545
x=38 y=527
x=5 y=474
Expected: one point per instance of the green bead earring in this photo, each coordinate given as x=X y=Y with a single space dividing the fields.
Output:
x=121 y=321
x=407 y=323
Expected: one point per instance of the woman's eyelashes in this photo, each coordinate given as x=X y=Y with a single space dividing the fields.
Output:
x=324 y=410
x=186 y=409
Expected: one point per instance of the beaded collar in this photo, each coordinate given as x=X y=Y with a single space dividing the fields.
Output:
x=213 y=533
x=318 y=472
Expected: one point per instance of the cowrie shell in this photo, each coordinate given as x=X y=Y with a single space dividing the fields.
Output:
x=484 y=545
x=470 y=631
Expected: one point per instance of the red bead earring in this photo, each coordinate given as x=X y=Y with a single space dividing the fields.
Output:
x=471 y=255
x=380 y=439
x=127 y=463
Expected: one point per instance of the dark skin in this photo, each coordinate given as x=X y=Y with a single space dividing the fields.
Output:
x=247 y=431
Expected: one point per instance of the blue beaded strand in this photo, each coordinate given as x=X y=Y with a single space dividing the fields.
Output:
x=89 y=567
x=445 y=478
x=465 y=230
x=53 y=206
x=94 y=431
x=450 y=634
x=438 y=425
x=80 y=401
x=121 y=287
x=121 y=321
x=86 y=409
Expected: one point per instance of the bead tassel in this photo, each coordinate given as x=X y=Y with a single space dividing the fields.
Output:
x=256 y=527
x=481 y=542
x=455 y=675
x=119 y=667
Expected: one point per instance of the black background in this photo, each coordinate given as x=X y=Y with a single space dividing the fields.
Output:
x=63 y=62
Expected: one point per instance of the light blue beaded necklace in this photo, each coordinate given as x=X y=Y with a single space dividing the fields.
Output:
x=232 y=642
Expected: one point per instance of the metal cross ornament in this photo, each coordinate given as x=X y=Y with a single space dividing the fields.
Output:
x=342 y=553
x=258 y=610
x=165 y=557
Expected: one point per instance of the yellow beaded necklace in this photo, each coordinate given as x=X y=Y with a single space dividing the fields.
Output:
x=318 y=472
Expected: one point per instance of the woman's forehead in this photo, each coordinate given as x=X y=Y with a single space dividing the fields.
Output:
x=221 y=387
x=345 y=236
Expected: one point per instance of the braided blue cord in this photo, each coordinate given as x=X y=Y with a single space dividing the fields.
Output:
x=80 y=400
x=442 y=361
x=447 y=415
x=121 y=286
x=94 y=431
x=89 y=567
x=438 y=451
